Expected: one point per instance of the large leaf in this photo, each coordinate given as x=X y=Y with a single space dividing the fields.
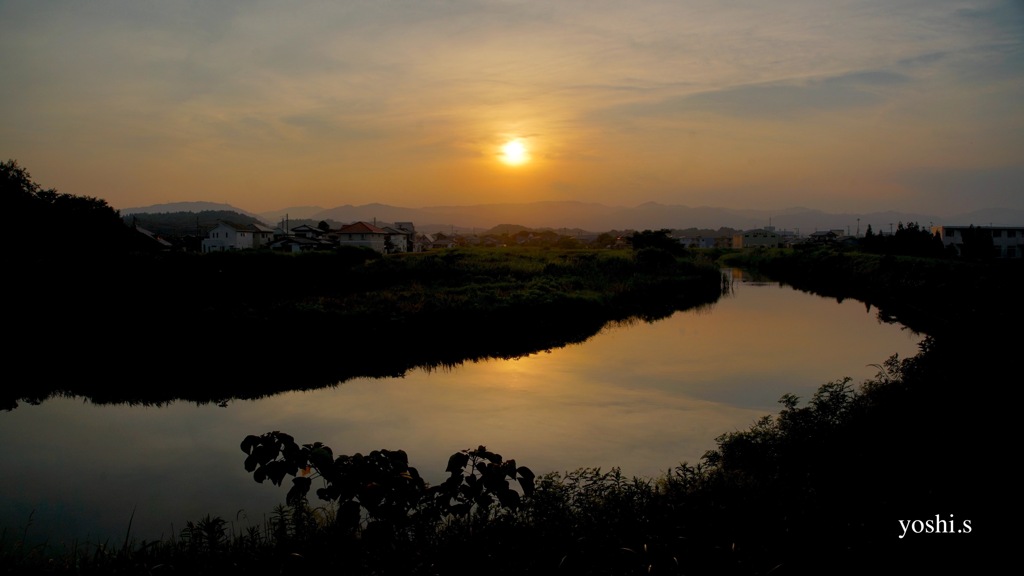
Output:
x=251 y=463
x=495 y=482
x=457 y=462
x=276 y=471
x=322 y=458
x=509 y=498
x=266 y=452
x=525 y=473
x=249 y=443
x=527 y=484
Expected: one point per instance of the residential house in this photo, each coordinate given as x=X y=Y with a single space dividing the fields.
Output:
x=149 y=241
x=300 y=244
x=696 y=241
x=398 y=240
x=409 y=229
x=306 y=231
x=363 y=234
x=723 y=242
x=441 y=240
x=422 y=243
x=758 y=237
x=824 y=237
x=227 y=236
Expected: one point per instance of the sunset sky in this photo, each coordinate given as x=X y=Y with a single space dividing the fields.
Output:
x=854 y=105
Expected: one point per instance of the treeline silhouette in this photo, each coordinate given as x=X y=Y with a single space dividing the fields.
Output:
x=42 y=221
x=913 y=239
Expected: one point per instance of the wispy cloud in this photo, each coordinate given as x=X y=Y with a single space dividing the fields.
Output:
x=782 y=101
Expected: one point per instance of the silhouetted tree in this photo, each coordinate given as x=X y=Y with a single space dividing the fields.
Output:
x=909 y=240
x=604 y=240
x=977 y=243
x=660 y=239
x=78 y=224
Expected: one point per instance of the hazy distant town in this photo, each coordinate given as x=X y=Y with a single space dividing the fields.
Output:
x=197 y=227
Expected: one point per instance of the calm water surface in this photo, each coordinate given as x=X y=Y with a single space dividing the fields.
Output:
x=643 y=397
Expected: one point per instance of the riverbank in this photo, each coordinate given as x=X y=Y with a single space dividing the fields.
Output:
x=940 y=297
x=208 y=328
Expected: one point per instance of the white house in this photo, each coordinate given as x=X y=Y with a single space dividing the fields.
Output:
x=363 y=234
x=306 y=231
x=1007 y=241
x=398 y=240
x=231 y=236
x=409 y=230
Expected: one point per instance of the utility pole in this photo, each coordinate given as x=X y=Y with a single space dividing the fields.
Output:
x=858 y=227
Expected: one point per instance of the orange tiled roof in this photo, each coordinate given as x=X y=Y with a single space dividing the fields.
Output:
x=361 y=228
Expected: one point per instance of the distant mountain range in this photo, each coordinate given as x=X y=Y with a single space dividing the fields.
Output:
x=600 y=217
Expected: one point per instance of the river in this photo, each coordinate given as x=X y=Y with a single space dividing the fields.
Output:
x=643 y=397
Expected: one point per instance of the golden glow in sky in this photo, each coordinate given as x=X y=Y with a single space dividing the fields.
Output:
x=858 y=106
x=514 y=153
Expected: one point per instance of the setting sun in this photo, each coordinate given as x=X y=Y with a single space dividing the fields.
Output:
x=514 y=153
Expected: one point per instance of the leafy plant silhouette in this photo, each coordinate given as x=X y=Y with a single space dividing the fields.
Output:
x=380 y=490
x=480 y=481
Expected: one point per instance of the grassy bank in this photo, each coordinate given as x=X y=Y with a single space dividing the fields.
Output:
x=936 y=296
